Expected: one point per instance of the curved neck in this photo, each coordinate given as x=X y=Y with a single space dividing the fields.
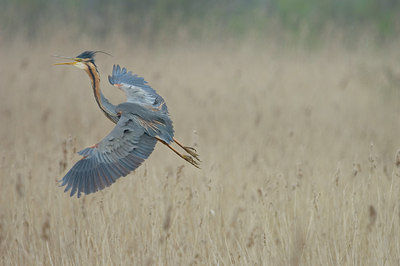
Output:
x=107 y=108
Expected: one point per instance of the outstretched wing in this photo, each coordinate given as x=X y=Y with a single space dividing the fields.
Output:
x=136 y=88
x=119 y=153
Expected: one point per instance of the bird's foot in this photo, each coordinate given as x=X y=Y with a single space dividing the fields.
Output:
x=193 y=152
x=190 y=160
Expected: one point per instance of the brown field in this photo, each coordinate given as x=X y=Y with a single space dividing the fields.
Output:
x=298 y=154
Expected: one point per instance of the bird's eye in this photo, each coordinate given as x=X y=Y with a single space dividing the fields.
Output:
x=78 y=59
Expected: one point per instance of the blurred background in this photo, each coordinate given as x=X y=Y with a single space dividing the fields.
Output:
x=293 y=105
x=309 y=22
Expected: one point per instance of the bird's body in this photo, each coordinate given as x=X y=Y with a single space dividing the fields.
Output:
x=140 y=123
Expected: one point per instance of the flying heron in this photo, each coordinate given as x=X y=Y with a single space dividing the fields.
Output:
x=140 y=123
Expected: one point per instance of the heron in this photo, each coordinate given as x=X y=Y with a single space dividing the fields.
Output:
x=141 y=122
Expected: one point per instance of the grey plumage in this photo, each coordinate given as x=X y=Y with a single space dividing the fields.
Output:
x=119 y=153
x=136 y=88
x=140 y=123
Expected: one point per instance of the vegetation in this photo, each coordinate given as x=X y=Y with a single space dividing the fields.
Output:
x=300 y=161
x=227 y=18
x=299 y=147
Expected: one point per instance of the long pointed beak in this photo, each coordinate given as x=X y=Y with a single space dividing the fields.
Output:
x=67 y=63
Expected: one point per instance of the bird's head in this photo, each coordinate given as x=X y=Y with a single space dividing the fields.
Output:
x=82 y=60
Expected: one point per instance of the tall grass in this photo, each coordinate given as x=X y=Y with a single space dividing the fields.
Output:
x=298 y=149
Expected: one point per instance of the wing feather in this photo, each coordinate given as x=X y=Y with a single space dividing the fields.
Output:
x=90 y=183
x=74 y=183
x=136 y=88
x=105 y=178
x=119 y=153
x=96 y=183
